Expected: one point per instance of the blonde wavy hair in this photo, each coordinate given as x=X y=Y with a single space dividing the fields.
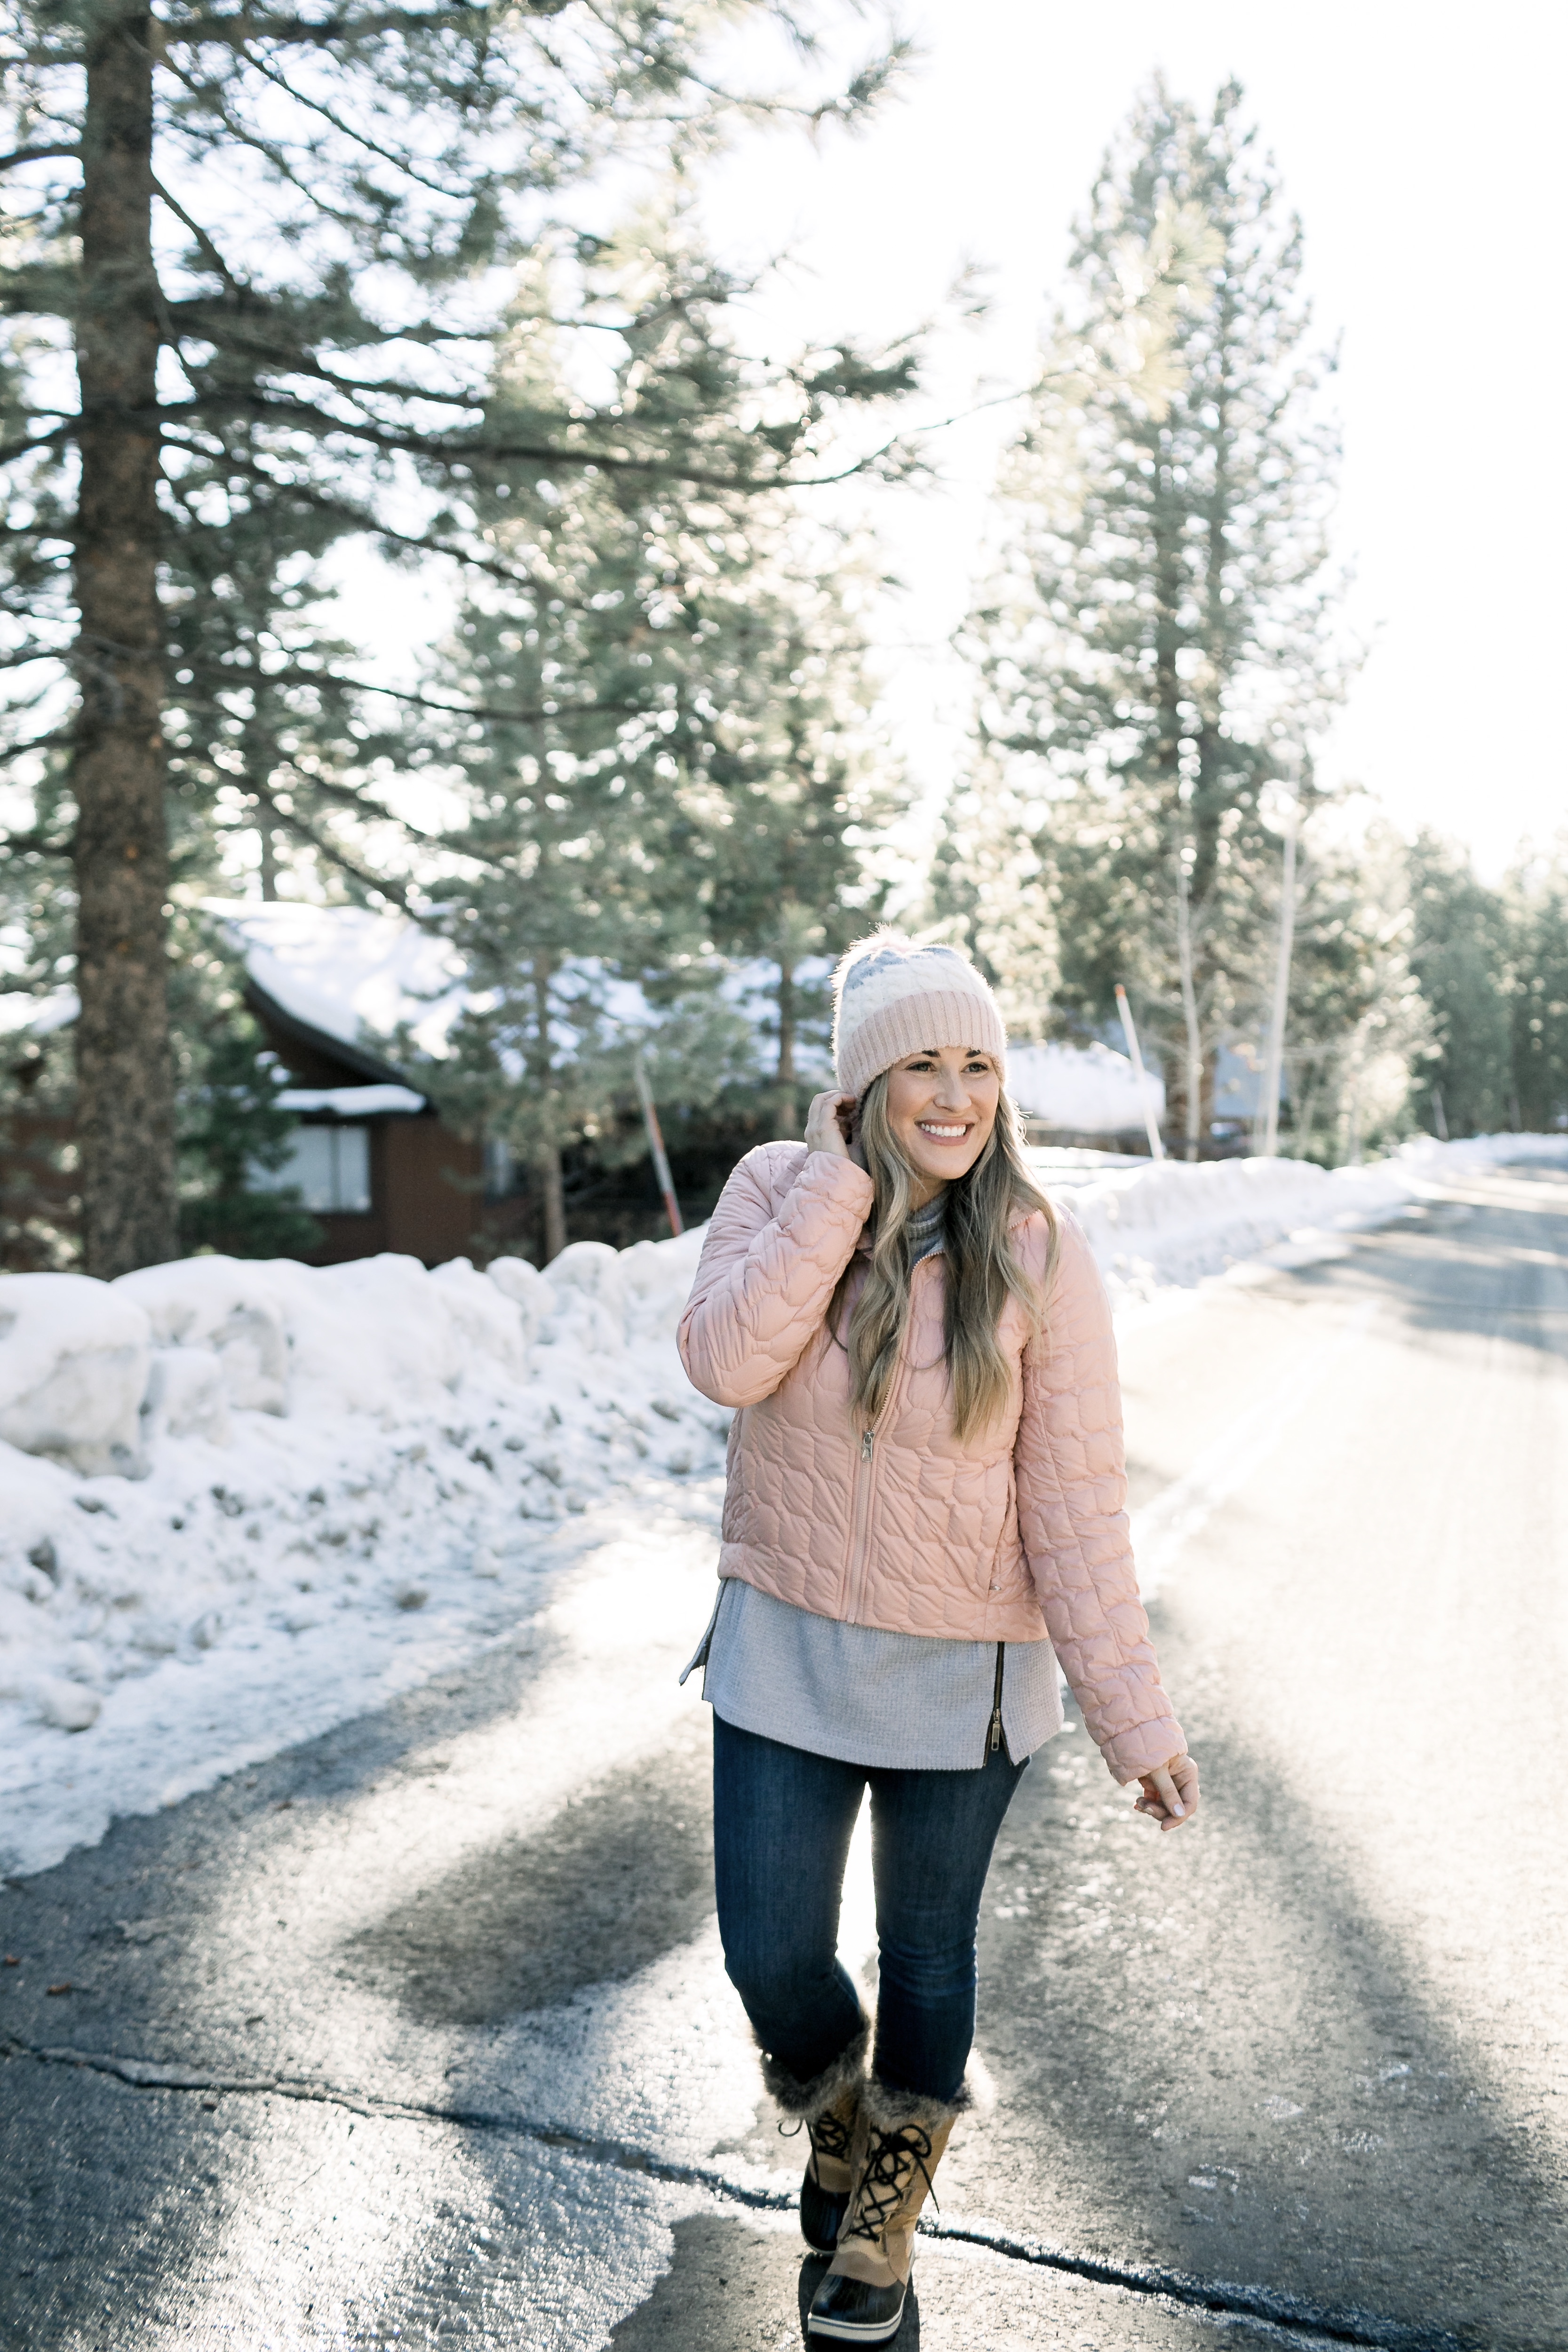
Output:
x=983 y=1270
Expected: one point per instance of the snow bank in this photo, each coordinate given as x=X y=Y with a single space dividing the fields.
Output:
x=242 y=1501
x=74 y=1359
x=1152 y=1224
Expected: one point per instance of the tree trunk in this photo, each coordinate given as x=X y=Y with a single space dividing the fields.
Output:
x=544 y=1157
x=1194 y=1056
x=553 y=1193
x=125 y=1079
x=787 y=1107
x=268 y=840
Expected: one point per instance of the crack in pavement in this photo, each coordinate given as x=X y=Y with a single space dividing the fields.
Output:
x=1299 y=2320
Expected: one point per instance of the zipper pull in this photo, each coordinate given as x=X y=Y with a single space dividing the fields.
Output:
x=866 y=1447
x=995 y=1731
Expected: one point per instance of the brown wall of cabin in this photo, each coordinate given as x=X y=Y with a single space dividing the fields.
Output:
x=425 y=1197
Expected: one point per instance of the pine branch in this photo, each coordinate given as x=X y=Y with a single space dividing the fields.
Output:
x=357 y=518
x=37 y=845
x=69 y=147
x=237 y=32
x=523 y=717
x=270 y=407
x=325 y=848
x=400 y=163
x=205 y=246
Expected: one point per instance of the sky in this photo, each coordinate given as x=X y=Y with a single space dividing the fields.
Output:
x=1420 y=145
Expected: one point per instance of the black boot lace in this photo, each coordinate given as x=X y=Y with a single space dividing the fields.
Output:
x=892 y=2159
x=830 y=2136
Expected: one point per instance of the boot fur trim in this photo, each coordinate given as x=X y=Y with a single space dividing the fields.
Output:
x=890 y=2109
x=810 y=2100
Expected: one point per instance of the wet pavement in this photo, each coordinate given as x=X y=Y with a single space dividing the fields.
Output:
x=419 y=2033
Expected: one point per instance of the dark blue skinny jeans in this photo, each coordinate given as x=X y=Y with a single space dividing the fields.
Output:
x=782 y=1825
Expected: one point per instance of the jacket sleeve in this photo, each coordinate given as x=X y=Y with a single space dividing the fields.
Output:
x=1070 y=1471
x=765 y=1278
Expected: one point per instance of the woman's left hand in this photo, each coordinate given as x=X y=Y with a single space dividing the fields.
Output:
x=1169 y=1795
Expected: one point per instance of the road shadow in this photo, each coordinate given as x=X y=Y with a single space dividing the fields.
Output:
x=1500 y=1266
x=619 y=1876
x=1287 y=2105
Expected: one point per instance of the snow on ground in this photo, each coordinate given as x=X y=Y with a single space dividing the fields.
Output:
x=245 y=1501
x=257 y=1498
x=1155 y=1227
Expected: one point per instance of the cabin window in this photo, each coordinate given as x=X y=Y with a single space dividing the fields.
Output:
x=331 y=1168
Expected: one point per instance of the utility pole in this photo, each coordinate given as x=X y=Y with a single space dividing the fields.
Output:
x=656 y=1144
x=1274 y=1060
x=1146 y=1092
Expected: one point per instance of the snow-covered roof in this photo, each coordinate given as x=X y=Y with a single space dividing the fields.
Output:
x=352 y=1102
x=361 y=976
x=348 y=971
x=1085 y=1089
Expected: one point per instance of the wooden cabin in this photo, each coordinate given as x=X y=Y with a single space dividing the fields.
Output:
x=372 y=1159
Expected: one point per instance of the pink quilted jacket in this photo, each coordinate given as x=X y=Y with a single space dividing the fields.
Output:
x=1017 y=1535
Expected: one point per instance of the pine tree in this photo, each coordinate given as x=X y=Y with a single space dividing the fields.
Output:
x=656 y=720
x=792 y=792
x=1156 y=645
x=1357 y=1027
x=1461 y=955
x=1538 y=892
x=271 y=243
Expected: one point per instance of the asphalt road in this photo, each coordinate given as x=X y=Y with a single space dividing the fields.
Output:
x=419 y=2033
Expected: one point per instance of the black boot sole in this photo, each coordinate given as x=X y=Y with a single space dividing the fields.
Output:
x=833 y=2330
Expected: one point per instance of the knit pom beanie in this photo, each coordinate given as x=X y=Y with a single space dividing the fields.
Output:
x=890 y=998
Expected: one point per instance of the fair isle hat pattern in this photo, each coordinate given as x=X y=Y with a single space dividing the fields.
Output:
x=892 y=997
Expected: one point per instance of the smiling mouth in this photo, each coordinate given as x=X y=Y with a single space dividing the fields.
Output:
x=942 y=1133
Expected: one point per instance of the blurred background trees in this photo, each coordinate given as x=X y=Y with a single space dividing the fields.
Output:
x=294 y=299
x=274 y=253
x=1156 y=645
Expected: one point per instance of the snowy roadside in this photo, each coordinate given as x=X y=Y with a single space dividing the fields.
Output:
x=334 y=1484
x=1157 y=1232
x=245 y=1502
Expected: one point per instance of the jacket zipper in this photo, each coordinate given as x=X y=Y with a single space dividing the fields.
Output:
x=865 y=1478
x=995 y=1740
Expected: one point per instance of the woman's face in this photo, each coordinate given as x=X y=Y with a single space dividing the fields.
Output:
x=941 y=1106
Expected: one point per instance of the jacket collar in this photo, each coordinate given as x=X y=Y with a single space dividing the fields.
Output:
x=1014 y=1225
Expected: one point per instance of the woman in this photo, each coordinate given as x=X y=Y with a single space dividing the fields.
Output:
x=924 y=1512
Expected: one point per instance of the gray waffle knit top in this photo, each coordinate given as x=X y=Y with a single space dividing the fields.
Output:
x=865 y=1696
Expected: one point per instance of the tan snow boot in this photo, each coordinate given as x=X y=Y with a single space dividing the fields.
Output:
x=899 y=2144
x=825 y=2191
x=830 y=2106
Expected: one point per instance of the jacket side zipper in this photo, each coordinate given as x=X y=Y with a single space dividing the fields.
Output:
x=995 y=1740
x=865 y=1467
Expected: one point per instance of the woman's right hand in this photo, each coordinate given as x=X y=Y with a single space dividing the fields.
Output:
x=830 y=1127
